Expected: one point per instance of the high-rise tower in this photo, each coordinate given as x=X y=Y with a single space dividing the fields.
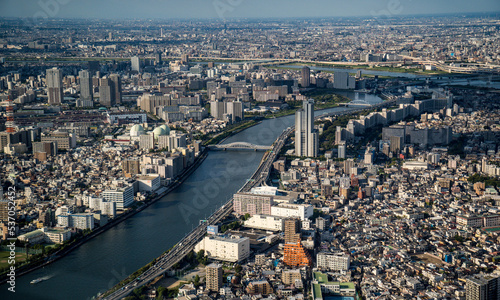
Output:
x=86 y=92
x=306 y=77
x=306 y=137
x=54 y=85
x=10 y=125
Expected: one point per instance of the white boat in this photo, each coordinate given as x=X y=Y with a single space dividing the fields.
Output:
x=35 y=281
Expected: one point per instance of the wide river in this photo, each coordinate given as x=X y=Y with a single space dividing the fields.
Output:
x=99 y=264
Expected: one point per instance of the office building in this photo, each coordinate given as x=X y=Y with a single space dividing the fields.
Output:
x=135 y=63
x=57 y=236
x=264 y=222
x=63 y=140
x=342 y=149
x=396 y=143
x=4 y=207
x=185 y=58
x=235 y=109
x=226 y=248
x=482 y=287
x=131 y=167
x=290 y=210
x=306 y=137
x=117 y=85
x=252 y=204
x=217 y=109
x=146 y=142
x=342 y=81
x=86 y=90
x=158 y=58
x=292 y=231
x=214 y=274
x=50 y=148
x=79 y=221
x=333 y=262
x=123 y=197
x=306 y=77
x=106 y=92
x=126 y=117
x=54 y=86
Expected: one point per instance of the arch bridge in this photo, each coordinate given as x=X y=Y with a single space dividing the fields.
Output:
x=239 y=146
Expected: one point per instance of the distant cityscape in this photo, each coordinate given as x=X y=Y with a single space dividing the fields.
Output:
x=328 y=158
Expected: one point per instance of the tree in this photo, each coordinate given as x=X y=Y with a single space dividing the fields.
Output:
x=160 y=291
x=200 y=254
x=238 y=268
x=196 y=280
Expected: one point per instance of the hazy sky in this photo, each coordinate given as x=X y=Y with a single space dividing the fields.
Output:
x=236 y=8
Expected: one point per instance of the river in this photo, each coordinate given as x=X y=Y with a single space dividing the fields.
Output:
x=99 y=264
x=363 y=71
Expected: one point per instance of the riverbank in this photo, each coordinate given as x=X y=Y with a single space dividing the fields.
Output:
x=367 y=67
x=77 y=243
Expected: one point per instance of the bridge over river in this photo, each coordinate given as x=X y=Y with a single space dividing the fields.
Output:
x=239 y=146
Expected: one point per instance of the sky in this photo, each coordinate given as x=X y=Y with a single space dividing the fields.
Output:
x=226 y=9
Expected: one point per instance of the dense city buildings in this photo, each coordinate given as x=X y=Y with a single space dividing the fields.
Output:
x=205 y=134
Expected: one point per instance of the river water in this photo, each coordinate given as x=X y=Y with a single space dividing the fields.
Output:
x=99 y=264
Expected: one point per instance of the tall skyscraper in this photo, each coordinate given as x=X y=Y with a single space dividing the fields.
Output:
x=482 y=287
x=117 y=82
x=86 y=92
x=342 y=150
x=235 y=108
x=342 y=80
x=136 y=63
x=10 y=125
x=292 y=231
x=185 y=58
x=4 y=207
x=214 y=277
x=306 y=77
x=158 y=58
x=306 y=137
x=54 y=86
x=217 y=109
x=107 y=92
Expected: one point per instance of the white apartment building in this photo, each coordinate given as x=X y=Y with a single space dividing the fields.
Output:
x=123 y=197
x=149 y=183
x=265 y=222
x=79 y=221
x=470 y=221
x=332 y=261
x=226 y=248
x=57 y=236
x=285 y=210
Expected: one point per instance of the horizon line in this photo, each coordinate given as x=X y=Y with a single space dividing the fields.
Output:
x=266 y=18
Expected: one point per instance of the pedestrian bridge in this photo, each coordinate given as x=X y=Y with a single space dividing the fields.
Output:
x=239 y=146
